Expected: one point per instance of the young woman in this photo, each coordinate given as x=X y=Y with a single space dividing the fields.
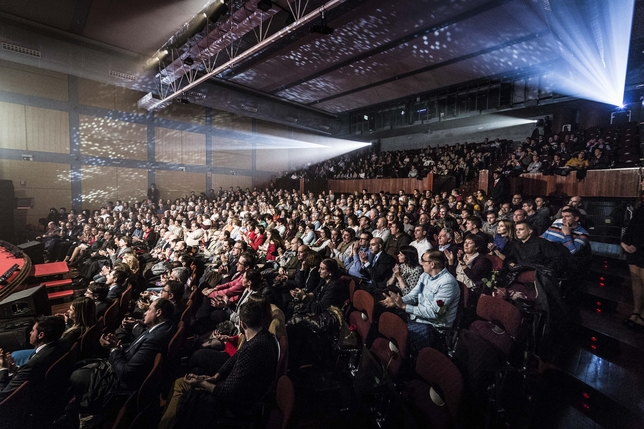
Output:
x=504 y=234
x=407 y=271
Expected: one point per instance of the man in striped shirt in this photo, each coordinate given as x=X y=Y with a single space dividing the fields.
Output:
x=568 y=231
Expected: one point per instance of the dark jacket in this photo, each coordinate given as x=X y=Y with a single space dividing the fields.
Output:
x=133 y=363
x=380 y=271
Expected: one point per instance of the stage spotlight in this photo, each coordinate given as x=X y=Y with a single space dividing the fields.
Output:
x=264 y=5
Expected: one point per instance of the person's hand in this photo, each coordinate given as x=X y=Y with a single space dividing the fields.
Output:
x=128 y=323
x=565 y=229
x=449 y=255
x=9 y=363
x=281 y=271
x=396 y=299
x=491 y=246
x=396 y=270
x=331 y=245
x=109 y=341
x=194 y=380
x=111 y=251
x=354 y=247
x=629 y=248
x=364 y=257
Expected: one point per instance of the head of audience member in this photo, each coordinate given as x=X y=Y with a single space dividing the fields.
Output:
x=252 y=279
x=529 y=207
x=408 y=255
x=523 y=231
x=433 y=262
x=397 y=228
x=329 y=270
x=473 y=244
x=473 y=224
x=82 y=312
x=505 y=228
x=491 y=217
x=97 y=292
x=575 y=202
x=519 y=215
x=517 y=199
x=420 y=232
x=570 y=217
x=252 y=317
x=173 y=290
x=159 y=311
x=445 y=237
x=46 y=330
x=116 y=277
x=376 y=244
x=311 y=260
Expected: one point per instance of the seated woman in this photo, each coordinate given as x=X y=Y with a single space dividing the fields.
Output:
x=406 y=272
x=504 y=234
x=324 y=240
x=80 y=316
x=578 y=162
x=472 y=265
x=316 y=320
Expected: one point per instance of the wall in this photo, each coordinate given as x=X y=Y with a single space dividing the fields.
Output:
x=90 y=143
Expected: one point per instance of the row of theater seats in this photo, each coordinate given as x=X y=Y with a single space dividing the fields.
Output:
x=144 y=407
x=488 y=334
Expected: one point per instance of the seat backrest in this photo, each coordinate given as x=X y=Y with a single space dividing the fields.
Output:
x=90 y=338
x=16 y=403
x=351 y=283
x=64 y=365
x=497 y=263
x=187 y=313
x=175 y=344
x=363 y=301
x=150 y=388
x=282 y=362
x=281 y=417
x=437 y=369
x=124 y=303
x=393 y=327
x=464 y=297
x=111 y=315
x=494 y=308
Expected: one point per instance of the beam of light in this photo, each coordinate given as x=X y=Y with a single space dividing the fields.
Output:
x=593 y=38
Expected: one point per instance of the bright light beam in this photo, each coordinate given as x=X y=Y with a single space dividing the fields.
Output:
x=593 y=37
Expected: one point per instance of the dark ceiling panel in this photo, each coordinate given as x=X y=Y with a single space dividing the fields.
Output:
x=53 y=13
x=527 y=54
x=370 y=26
x=452 y=42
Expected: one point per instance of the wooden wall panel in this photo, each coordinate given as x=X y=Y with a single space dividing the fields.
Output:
x=113 y=138
x=619 y=182
x=226 y=181
x=99 y=185
x=231 y=122
x=231 y=153
x=191 y=113
x=33 y=81
x=132 y=184
x=167 y=144
x=47 y=130
x=97 y=94
x=376 y=185
x=272 y=159
x=50 y=187
x=12 y=126
x=193 y=148
x=106 y=96
x=175 y=184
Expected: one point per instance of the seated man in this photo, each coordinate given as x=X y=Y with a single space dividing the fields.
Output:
x=433 y=302
x=130 y=364
x=379 y=270
x=44 y=336
x=568 y=231
x=239 y=384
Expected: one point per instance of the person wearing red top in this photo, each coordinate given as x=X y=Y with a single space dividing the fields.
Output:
x=255 y=238
x=230 y=292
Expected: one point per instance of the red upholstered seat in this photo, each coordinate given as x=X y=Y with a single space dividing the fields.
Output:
x=500 y=324
x=363 y=303
x=391 y=327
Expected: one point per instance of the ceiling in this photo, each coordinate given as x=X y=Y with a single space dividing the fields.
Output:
x=380 y=50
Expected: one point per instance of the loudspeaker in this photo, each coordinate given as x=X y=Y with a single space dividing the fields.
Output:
x=8 y=198
x=35 y=250
x=30 y=302
x=14 y=334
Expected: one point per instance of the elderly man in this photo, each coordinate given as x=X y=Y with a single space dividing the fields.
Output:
x=381 y=230
x=433 y=302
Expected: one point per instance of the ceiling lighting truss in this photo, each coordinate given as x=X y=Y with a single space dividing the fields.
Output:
x=191 y=65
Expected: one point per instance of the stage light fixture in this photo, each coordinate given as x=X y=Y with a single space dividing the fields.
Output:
x=188 y=61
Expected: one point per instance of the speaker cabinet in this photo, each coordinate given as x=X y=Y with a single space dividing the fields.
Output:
x=8 y=198
x=30 y=302
x=35 y=250
x=14 y=334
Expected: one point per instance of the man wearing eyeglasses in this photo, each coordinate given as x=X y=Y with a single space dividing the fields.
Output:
x=436 y=289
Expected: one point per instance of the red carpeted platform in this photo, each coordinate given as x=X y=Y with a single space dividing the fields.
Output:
x=50 y=269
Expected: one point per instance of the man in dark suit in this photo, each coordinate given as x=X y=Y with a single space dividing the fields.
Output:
x=379 y=270
x=44 y=336
x=130 y=363
x=115 y=281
